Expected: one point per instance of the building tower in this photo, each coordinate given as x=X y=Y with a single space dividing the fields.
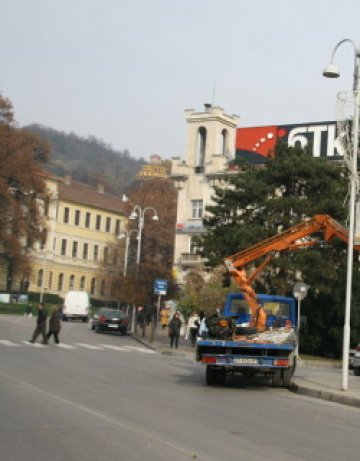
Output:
x=210 y=149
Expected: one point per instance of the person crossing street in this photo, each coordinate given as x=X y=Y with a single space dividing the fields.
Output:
x=40 y=325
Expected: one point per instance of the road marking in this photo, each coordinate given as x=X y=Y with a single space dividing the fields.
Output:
x=38 y=345
x=115 y=348
x=140 y=349
x=89 y=346
x=6 y=342
x=66 y=346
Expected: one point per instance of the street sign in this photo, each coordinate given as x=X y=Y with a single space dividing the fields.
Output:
x=300 y=290
x=160 y=286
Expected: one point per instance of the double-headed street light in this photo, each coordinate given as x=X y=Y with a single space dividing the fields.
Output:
x=139 y=214
x=332 y=71
x=127 y=236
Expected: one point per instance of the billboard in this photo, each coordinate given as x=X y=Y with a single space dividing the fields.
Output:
x=256 y=144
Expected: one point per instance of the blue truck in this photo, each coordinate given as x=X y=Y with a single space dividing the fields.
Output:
x=233 y=347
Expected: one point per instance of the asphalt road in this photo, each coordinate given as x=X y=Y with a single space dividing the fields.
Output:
x=106 y=397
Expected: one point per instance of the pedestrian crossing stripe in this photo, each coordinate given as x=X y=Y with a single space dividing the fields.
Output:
x=98 y=347
x=88 y=346
x=6 y=342
x=38 y=345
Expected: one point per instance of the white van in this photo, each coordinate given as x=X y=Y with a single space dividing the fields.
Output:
x=76 y=306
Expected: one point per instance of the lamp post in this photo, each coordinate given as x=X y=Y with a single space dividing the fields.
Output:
x=331 y=71
x=127 y=236
x=139 y=214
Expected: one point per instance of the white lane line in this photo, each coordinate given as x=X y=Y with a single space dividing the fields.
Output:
x=88 y=346
x=38 y=345
x=65 y=346
x=6 y=342
x=115 y=348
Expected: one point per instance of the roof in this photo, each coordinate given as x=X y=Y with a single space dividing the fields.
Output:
x=85 y=194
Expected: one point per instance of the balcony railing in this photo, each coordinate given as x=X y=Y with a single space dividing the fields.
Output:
x=191 y=259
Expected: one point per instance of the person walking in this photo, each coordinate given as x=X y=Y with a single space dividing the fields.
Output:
x=164 y=317
x=40 y=325
x=55 y=324
x=174 y=330
x=28 y=310
x=193 y=328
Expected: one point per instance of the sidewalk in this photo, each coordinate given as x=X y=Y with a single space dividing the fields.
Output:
x=312 y=378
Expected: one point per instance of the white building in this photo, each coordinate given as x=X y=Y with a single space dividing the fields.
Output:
x=210 y=148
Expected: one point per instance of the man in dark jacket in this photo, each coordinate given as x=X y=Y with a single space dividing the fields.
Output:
x=174 y=330
x=40 y=325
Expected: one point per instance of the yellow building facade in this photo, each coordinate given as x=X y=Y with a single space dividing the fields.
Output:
x=83 y=225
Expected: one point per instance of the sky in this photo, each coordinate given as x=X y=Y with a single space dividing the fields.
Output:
x=124 y=71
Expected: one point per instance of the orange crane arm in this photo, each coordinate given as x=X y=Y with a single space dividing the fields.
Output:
x=290 y=239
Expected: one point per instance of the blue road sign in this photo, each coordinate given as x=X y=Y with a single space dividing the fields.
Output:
x=160 y=287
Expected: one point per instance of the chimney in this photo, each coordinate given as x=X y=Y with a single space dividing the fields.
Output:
x=100 y=188
x=67 y=180
x=207 y=107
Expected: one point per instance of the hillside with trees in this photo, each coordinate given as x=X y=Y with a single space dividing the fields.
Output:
x=88 y=160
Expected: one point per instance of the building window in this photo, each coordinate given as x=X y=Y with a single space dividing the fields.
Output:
x=82 y=283
x=224 y=142
x=40 y=278
x=71 y=282
x=115 y=257
x=106 y=255
x=117 y=227
x=87 y=220
x=98 y=222
x=77 y=217
x=63 y=247
x=96 y=252
x=102 y=288
x=66 y=215
x=85 y=251
x=74 y=249
x=93 y=286
x=50 y=280
x=194 y=246
x=197 y=208
x=60 y=282
x=108 y=224
x=200 y=149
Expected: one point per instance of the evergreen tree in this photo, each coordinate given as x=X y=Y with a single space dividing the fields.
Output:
x=260 y=202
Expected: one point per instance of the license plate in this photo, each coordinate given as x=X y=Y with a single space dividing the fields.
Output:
x=112 y=325
x=245 y=361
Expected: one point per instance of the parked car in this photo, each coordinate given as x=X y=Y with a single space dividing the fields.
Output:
x=356 y=361
x=110 y=320
x=351 y=357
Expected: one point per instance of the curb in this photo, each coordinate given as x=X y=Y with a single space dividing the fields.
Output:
x=325 y=395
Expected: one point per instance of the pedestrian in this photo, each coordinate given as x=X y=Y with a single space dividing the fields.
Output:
x=40 y=324
x=174 y=330
x=193 y=328
x=203 y=330
x=28 y=310
x=164 y=317
x=55 y=324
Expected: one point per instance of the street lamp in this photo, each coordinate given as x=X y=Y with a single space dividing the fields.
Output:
x=332 y=71
x=139 y=213
x=127 y=235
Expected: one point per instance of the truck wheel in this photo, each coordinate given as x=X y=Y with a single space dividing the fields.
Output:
x=220 y=376
x=287 y=376
x=356 y=371
x=211 y=375
x=276 y=378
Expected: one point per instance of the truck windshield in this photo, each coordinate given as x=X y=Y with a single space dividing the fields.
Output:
x=278 y=309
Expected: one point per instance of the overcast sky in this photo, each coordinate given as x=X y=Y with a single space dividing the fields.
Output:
x=124 y=71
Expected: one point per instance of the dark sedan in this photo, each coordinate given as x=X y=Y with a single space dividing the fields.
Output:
x=111 y=320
